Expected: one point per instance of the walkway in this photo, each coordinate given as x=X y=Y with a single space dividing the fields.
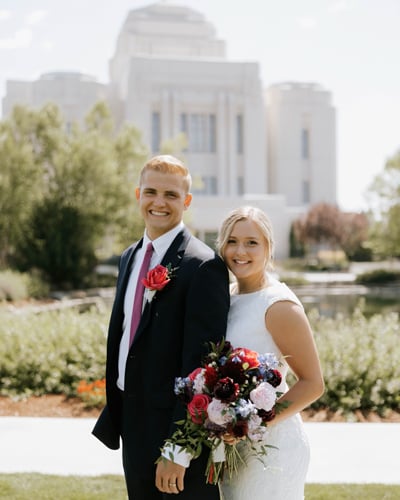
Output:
x=341 y=452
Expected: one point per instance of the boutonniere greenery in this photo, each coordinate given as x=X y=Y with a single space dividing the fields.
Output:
x=156 y=279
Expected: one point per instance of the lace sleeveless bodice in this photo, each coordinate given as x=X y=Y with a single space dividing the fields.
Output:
x=283 y=475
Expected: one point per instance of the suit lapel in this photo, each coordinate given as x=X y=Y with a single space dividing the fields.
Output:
x=172 y=257
x=125 y=271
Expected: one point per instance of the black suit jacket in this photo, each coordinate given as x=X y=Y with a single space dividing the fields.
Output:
x=170 y=341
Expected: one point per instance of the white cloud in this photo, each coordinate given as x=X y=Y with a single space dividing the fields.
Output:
x=4 y=14
x=307 y=22
x=35 y=17
x=21 y=39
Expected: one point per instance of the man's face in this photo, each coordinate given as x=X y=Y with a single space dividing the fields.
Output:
x=162 y=199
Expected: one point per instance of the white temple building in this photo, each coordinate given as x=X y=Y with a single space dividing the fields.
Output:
x=73 y=92
x=274 y=148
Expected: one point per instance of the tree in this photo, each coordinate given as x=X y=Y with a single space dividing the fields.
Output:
x=321 y=225
x=60 y=243
x=326 y=224
x=384 y=199
x=354 y=235
x=86 y=175
x=29 y=141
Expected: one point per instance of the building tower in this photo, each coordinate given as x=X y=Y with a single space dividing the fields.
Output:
x=169 y=75
x=301 y=143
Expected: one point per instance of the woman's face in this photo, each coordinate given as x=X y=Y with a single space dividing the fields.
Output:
x=246 y=253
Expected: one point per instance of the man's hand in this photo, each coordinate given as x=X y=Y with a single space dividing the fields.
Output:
x=169 y=476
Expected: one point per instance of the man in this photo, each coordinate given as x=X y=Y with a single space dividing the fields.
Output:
x=170 y=340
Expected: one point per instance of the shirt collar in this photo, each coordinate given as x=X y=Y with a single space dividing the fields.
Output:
x=163 y=242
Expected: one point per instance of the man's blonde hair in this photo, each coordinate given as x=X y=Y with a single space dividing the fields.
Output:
x=167 y=164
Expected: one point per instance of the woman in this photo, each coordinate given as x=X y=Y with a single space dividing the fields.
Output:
x=266 y=316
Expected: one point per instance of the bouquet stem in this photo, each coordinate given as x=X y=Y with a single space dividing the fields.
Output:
x=215 y=470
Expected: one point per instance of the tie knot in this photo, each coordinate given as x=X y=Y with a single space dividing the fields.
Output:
x=149 y=247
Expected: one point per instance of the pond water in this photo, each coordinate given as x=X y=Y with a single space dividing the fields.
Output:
x=331 y=300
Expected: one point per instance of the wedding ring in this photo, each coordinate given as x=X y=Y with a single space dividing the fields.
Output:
x=171 y=484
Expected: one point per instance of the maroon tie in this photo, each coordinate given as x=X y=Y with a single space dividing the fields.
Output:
x=138 y=301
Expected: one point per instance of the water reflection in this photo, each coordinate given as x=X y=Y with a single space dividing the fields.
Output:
x=329 y=301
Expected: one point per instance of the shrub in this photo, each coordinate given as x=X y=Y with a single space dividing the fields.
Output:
x=378 y=276
x=360 y=358
x=63 y=352
x=60 y=243
x=49 y=353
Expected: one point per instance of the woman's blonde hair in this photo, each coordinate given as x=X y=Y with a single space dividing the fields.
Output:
x=167 y=164
x=247 y=213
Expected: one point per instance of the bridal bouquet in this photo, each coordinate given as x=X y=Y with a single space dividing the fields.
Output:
x=233 y=392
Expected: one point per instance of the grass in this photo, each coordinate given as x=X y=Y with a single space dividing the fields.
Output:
x=48 y=487
x=352 y=491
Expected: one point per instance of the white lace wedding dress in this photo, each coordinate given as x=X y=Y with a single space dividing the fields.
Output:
x=283 y=475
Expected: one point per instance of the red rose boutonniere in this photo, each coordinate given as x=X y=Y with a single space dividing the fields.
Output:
x=156 y=279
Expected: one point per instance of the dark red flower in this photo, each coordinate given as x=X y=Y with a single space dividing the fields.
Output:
x=233 y=369
x=240 y=429
x=226 y=390
x=273 y=377
x=240 y=360
x=210 y=377
x=267 y=416
x=226 y=347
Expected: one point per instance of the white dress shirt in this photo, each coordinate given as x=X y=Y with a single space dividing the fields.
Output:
x=160 y=246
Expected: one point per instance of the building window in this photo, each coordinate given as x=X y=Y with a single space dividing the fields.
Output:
x=212 y=133
x=206 y=186
x=305 y=144
x=240 y=185
x=239 y=134
x=306 y=192
x=155 y=131
x=201 y=131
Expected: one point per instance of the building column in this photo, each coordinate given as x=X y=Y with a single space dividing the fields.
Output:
x=221 y=144
x=231 y=145
x=165 y=115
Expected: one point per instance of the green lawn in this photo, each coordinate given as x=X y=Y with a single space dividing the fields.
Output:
x=46 y=487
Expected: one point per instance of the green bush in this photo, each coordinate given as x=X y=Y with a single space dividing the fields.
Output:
x=60 y=243
x=52 y=352
x=378 y=276
x=360 y=358
x=49 y=353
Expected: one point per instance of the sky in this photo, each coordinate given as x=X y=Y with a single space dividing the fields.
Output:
x=350 y=47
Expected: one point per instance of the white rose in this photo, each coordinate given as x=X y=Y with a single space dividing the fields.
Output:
x=263 y=396
x=219 y=413
x=256 y=430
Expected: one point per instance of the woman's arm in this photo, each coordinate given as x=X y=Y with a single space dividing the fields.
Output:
x=291 y=331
